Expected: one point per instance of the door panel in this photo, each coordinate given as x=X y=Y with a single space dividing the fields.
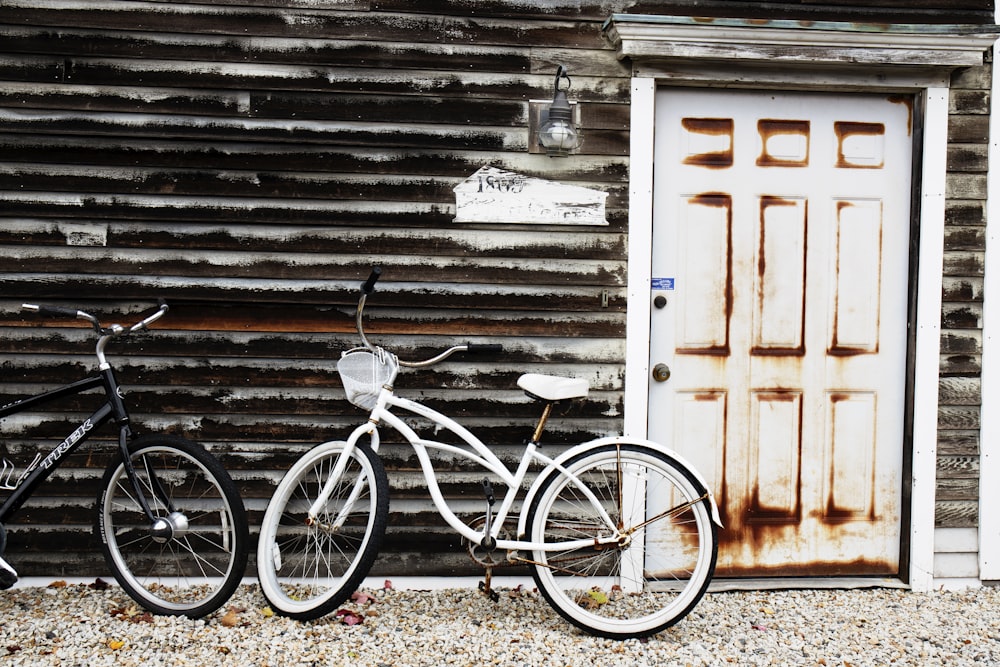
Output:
x=780 y=242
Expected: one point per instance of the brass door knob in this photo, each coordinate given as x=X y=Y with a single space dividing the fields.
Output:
x=661 y=372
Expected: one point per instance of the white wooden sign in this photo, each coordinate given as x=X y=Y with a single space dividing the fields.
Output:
x=496 y=195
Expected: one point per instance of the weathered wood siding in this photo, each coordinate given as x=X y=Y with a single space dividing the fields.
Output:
x=250 y=161
x=961 y=340
x=250 y=164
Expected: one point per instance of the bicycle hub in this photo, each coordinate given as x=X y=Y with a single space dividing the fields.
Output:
x=165 y=529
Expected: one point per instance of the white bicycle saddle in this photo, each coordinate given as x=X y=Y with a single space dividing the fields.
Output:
x=553 y=388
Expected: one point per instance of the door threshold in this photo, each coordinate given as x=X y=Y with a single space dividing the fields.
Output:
x=722 y=585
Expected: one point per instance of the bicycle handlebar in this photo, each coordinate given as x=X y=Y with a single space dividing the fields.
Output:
x=368 y=287
x=484 y=347
x=113 y=330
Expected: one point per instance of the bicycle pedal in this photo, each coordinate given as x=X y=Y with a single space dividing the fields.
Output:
x=489 y=592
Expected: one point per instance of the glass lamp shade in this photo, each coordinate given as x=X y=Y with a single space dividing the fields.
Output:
x=558 y=134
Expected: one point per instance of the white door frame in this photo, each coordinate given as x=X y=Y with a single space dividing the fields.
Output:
x=913 y=59
x=652 y=41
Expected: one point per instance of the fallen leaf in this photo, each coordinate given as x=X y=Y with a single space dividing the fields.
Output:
x=100 y=585
x=598 y=596
x=387 y=585
x=132 y=615
x=362 y=598
x=231 y=618
x=115 y=644
x=348 y=617
x=267 y=611
x=58 y=584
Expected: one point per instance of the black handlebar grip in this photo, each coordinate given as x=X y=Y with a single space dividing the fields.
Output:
x=484 y=347
x=60 y=311
x=369 y=285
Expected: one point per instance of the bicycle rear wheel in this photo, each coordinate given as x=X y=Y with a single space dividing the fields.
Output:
x=308 y=567
x=191 y=561
x=661 y=566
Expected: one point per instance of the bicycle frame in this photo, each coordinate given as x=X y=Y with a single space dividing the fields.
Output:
x=486 y=459
x=112 y=409
x=481 y=455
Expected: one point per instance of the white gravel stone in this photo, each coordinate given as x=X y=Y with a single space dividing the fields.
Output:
x=88 y=626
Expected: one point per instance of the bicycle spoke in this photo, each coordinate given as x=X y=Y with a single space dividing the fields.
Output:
x=205 y=541
x=654 y=572
x=316 y=566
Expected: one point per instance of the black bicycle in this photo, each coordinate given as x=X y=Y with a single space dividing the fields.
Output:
x=171 y=522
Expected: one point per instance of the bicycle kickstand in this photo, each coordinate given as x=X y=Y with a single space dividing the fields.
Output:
x=488 y=542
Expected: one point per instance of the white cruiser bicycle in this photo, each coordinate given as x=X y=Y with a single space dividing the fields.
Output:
x=619 y=533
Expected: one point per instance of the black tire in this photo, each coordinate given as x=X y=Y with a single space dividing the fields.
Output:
x=308 y=568
x=662 y=566
x=194 y=564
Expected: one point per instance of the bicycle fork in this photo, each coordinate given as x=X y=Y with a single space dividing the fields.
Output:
x=161 y=528
x=312 y=516
x=338 y=521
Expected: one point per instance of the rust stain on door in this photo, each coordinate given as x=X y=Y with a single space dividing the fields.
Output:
x=718 y=131
x=722 y=201
x=859 y=145
x=784 y=143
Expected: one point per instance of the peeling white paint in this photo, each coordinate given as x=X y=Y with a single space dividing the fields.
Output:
x=84 y=233
x=500 y=196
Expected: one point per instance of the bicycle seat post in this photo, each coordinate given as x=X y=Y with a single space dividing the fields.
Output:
x=537 y=435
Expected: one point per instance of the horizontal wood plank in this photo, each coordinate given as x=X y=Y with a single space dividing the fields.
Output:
x=250 y=160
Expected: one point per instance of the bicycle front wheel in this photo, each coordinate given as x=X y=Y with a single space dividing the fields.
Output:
x=190 y=561
x=307 y=566
x=663 y=560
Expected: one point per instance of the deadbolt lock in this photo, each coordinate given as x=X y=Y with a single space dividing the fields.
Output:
x=661 y=372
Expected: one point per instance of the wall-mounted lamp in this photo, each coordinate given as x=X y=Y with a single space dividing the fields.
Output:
x=558 y=130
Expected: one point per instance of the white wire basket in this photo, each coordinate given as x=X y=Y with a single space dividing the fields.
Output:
x=363 y=373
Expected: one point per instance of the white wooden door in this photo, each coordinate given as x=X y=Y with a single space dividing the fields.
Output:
x=780 y=290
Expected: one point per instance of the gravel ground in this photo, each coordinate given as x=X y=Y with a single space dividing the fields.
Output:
x=94 y=625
